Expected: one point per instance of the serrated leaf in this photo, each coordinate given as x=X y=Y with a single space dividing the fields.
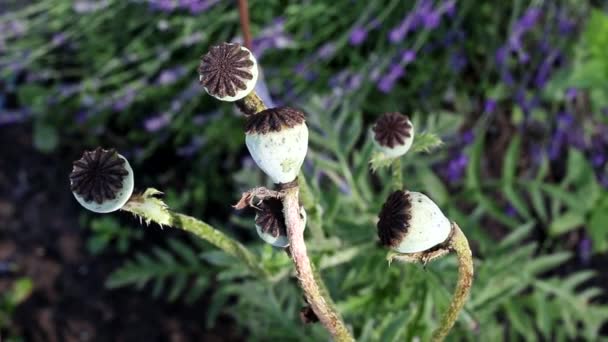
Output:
x=425 y=142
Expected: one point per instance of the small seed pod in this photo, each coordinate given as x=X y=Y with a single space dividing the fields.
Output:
x=102 y=180
x=270 y=222
x=410 y=222
x=393 y=134
x=228 y=72
x=277 y=139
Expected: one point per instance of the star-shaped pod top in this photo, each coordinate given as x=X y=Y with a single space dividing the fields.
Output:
x=228 y=72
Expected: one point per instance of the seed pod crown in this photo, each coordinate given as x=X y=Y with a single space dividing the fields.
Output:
x=273 y=120
x=228 y=72
x=393 y=134
x=411 y=222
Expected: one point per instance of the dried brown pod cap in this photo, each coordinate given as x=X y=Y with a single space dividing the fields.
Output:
x=273 y=120
x=394 y=134
x=411 y=222
x=228 y=71
x=101 y=180
x=98 y=175
x=270 y=217
x=394 y=219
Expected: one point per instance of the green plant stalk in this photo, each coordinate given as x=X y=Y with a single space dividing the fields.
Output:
x=397 y=174
x=459 y=244
x=315 y=294
x=151 y=209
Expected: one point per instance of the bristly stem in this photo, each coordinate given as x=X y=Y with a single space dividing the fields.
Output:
x=152 y=209
x=459 y=244
x=397 y=174
x=316 y=297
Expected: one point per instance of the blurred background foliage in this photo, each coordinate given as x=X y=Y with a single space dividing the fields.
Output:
x=517 y=91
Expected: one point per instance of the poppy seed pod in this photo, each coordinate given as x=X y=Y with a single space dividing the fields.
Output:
x=277 y=139
x=270 y=222
x=228 y=72
x=410 y=222
x=102 y=180
x=393 y=134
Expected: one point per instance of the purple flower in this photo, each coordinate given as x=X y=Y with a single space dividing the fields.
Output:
x=156 y=123
x=83 y=6
x=571 y=94
x=467 y=137
x=59 y=39
x=458 y=61
x=447 y=7
x=357 y=35
x=387 y=82
x=124 y=101
x=191 y=148
x=585 y=250
x=528 y=20
x=456 y=167
x=326 y=51
x=408 y=56
x=431 y=20
x=489 y=105
x=510 y=210
x=169 y=76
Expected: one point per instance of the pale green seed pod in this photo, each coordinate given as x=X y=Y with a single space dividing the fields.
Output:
x=270 y=222
x=410 y=222
x=228 y=72
x=277 y=139
x=393 y=134
x=102 y=180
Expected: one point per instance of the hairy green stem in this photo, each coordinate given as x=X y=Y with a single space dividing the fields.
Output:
x=152 y=209
x=315 y=294
x=459 y=244
x=397 y=174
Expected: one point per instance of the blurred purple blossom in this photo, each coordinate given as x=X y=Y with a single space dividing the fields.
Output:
x=124 y=101
x=156 y=123
x=408 y=56
x=387 y=81
x=571 y=94
x=59 y=38
x=357 y=35
x=271 y=37
x=489 y=105
x=83 y=6
x=326 y=51
x=170 y=76
x=13 y=117
x=585 y=250
x=456 y=167
x=191 y=148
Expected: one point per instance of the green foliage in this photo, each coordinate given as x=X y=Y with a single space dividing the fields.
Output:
x=521 y=290
x=106 y=232
x=19 y=292
x=174 y=272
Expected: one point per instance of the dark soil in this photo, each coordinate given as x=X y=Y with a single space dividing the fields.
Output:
x=41 y=238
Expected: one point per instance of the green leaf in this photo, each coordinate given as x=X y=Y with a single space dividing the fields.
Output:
x=565 y=223
x=426 y=142
x=45 y=137
x=598 y=226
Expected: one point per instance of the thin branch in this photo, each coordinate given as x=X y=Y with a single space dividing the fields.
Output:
x=244 y=19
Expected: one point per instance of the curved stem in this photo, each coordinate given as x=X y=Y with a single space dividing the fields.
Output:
x=315 y=294
x=459 y=244
x=397 y=174
x=152 y=209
